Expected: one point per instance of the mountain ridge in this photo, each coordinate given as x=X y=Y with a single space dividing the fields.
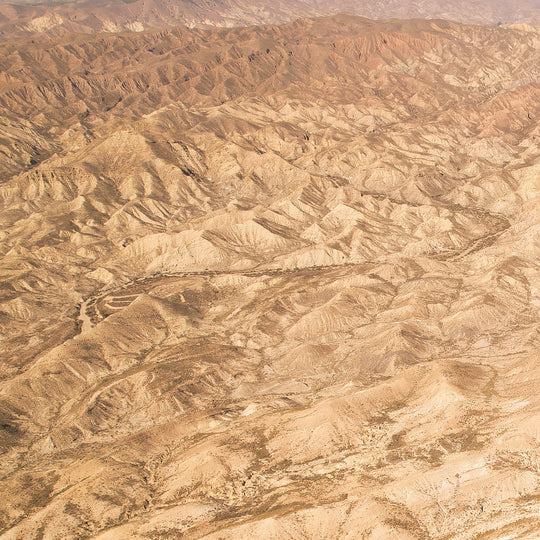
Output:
x=273 y=281
x=90 y=17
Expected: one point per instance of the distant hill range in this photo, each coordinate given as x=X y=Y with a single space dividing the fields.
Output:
x=20 y=18
x=268 y=282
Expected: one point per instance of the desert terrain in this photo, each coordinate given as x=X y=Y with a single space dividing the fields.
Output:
x=24 y=18
x=275 y=281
